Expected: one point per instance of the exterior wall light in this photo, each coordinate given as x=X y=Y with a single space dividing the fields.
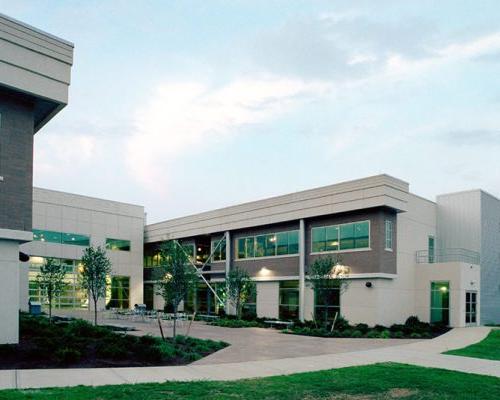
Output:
x=265 y=271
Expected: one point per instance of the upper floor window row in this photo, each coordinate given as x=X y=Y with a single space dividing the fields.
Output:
x=117 y=244
x=219 y=252
x=269 y=245
x=355 y=235
x=61 y=237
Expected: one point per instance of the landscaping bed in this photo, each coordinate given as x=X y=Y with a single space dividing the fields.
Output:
x=78 y=344
x=411 y=329
x=236 y=323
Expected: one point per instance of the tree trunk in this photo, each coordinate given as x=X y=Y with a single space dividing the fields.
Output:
x=175 y=322
x=238 y=311
x=95 y=311
x=50 y=310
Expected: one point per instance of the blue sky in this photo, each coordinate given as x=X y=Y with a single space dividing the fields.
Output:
x=185 y=106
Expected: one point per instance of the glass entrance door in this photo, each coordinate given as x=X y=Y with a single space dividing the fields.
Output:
x=470 y=308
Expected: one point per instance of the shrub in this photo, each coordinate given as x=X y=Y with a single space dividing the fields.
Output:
x=398 y=335
x=112 y=351
x=363 y=328
x=373 y=334
x=7 y=350
x=67 y=355
x=342 y=324
x=166 y=351
x=191 y=356
x=380 y=328
x=346 y=333
x=416 y=335
x=356 y=334
x=385 y=334
x=412 y=322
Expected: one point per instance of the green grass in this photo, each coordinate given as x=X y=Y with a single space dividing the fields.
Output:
x=488 y=348
x=374 y=382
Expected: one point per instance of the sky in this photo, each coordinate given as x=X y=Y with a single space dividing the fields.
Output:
x=187 y=106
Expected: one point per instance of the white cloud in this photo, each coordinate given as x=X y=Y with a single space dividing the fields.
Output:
x=185 y=117
x=56 y=153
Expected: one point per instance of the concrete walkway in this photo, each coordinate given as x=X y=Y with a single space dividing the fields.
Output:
x=422 y=353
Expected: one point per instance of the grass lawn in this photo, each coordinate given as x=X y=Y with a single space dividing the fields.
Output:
x=488 y=348
x=381 y=381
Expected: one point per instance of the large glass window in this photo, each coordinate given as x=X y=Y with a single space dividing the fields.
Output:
x=440 y=303
x=249 y=309
x=118 y=244
x=431 y=249
x=119 y=292
x=388 y=234
x=71 y=296
x=219 y=252
x=289 y=300
x=341 y=237
x=326 y=303
x=61 y=237
x=268 y=245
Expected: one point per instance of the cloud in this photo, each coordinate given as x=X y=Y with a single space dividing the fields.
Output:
x=60 y=153
x=183 y=118
x=473 y=137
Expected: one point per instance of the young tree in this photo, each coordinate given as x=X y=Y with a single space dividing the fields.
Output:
x=94 y=274
x=324 y=275
x=51 y=281
x=239 y=288
x=177 y=276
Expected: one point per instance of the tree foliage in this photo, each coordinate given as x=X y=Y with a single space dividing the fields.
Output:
x=324 y=275
x=51 y=281
x=178 y=277
x=96 y=267
x=239 y=288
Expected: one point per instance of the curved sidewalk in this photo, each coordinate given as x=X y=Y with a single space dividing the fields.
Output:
x=423 y=353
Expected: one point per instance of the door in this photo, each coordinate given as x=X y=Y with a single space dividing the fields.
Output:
x=470 y=308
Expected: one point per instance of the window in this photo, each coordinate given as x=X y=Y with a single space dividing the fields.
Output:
x=470 y=307
x=219 y=252
x=71 y=296
x=388 y=234
x=431 y=249
x=440 y=303
x=289 y=300
x=326 y=303
x=350 y=236
x=119 y=292
x=61 y=237
x=249 y=308
x=118 y=244
x=268 y=245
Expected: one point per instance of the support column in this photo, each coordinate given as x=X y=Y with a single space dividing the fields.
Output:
x=227 y=235
x=302 y=269
x=9 y=283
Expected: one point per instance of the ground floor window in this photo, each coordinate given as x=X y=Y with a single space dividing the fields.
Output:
x=470 y=307
x=289 y=300
x=149 y=295
x=440 y=303
x=326 y=303
x=70 y=297
x=118 y=295
x=202 y=300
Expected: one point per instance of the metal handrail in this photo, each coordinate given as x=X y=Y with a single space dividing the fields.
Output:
x=447 y=255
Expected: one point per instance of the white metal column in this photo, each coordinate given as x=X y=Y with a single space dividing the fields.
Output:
x=302 y=269
x=228 y=251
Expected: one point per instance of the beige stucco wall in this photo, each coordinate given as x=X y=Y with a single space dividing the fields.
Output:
x=461 y=276
x=268 y=299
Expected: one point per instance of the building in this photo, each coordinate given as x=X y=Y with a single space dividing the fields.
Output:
x=64 y=225
x=35 y=69
x=406 y=255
